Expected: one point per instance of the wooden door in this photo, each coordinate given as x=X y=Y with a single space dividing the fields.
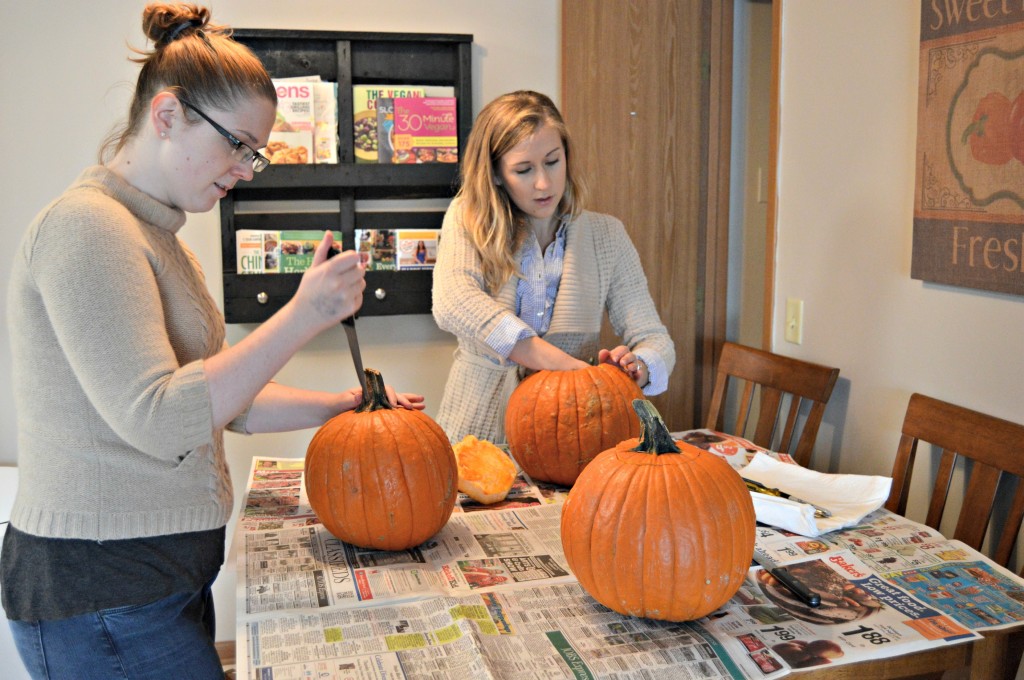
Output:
x=646 y=92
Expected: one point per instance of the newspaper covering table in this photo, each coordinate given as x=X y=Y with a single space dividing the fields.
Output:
x=491 y=596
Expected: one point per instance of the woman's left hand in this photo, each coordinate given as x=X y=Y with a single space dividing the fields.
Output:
x=413 y=402
x=407 y=400
x=624 y=358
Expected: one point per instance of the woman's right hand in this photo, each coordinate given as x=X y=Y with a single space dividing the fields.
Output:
x=331 y=289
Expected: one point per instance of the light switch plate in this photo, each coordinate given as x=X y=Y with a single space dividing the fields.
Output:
x=794 y=320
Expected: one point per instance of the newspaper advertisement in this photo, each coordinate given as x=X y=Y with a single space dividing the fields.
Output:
x=491 y=596
x=947 y=575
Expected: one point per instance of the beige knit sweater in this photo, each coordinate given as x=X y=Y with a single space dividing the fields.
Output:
x=110 y=320
x=601 y=271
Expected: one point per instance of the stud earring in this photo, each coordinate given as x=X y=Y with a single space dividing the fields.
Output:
x=163 y=134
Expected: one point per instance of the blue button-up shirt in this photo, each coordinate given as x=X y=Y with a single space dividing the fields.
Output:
x=535 y=302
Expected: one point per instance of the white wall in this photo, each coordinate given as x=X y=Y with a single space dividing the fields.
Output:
x=66 y=81
x=846 y=186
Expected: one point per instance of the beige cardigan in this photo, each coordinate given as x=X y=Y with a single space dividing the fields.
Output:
x=601 y=271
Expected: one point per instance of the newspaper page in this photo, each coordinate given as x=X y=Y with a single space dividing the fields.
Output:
x=290 y=561
x=550 y=631
x=861 y=616
x=491 y=596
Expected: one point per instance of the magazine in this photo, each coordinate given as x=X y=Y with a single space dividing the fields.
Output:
x=364 y=112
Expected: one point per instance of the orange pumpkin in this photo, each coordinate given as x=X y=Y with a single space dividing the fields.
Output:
x=557 y=421
x=659 y=529
x=380 y=477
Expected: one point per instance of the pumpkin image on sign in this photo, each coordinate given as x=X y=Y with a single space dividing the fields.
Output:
x=380 y=477
x=659 y=529
x=557 y=421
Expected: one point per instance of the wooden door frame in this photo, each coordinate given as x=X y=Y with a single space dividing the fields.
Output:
x=715 y=250
x=771 y=236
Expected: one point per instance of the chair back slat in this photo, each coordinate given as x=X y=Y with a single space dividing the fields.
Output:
x=786 y=439
x=745 y=404
x=767 y=416
x=1011 y=527
x=901 y=469
x=940 y=492
x=981 y=494
x=769 y=377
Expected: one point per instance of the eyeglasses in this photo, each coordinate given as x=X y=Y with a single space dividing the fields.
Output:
x=241 y=152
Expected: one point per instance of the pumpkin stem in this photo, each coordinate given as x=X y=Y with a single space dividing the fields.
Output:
x=376 y=397
x=654 y=435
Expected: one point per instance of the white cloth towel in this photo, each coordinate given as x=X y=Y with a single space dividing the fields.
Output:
x=848 y=497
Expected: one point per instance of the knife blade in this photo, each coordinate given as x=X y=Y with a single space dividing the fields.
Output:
x=349 y=325
x=758 y=487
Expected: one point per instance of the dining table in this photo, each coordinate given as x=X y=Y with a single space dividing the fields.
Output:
x=491 y=596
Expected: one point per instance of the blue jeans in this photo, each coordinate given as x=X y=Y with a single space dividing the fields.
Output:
x=169 y=638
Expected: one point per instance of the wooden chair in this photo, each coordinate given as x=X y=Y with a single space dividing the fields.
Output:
x=774 y=379
x=996 y=448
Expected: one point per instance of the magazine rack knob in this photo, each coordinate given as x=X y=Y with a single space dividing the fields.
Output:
x=262 y=297
x=380 y=293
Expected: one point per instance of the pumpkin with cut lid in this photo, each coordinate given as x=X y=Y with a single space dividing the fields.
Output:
x=658 y=528
x=381 y=477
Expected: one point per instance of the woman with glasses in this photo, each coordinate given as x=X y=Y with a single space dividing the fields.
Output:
x=124 y=383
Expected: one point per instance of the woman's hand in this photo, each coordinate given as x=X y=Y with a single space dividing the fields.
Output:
x=413 y=402
x=352 y=398
x=331 y=289
x=624 y=358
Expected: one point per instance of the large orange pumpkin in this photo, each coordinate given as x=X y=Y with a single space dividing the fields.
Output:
x=659 y=529
x=557 y=421
x=380 y=477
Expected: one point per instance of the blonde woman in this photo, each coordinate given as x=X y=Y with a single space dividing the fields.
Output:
x=524 y=274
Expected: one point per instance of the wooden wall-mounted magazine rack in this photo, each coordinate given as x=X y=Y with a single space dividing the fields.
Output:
x=348 y=59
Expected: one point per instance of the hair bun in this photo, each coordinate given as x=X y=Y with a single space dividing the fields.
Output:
x=171 y=34
x=164 y=23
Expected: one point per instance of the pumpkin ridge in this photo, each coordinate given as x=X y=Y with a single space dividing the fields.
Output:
x=627 y=528
x=595 y=428
x=406 y=457
x=728 y=545
x=338 y=502
x=602 y=544
x=567 y=427
x=627 y=391
x=533 y=440
x=429 y=476
x=609 y=402
x=652 y=596
x=589 y=508
x=375 y=512
x=577 y=423
x=324 y=465
x=672 y=566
